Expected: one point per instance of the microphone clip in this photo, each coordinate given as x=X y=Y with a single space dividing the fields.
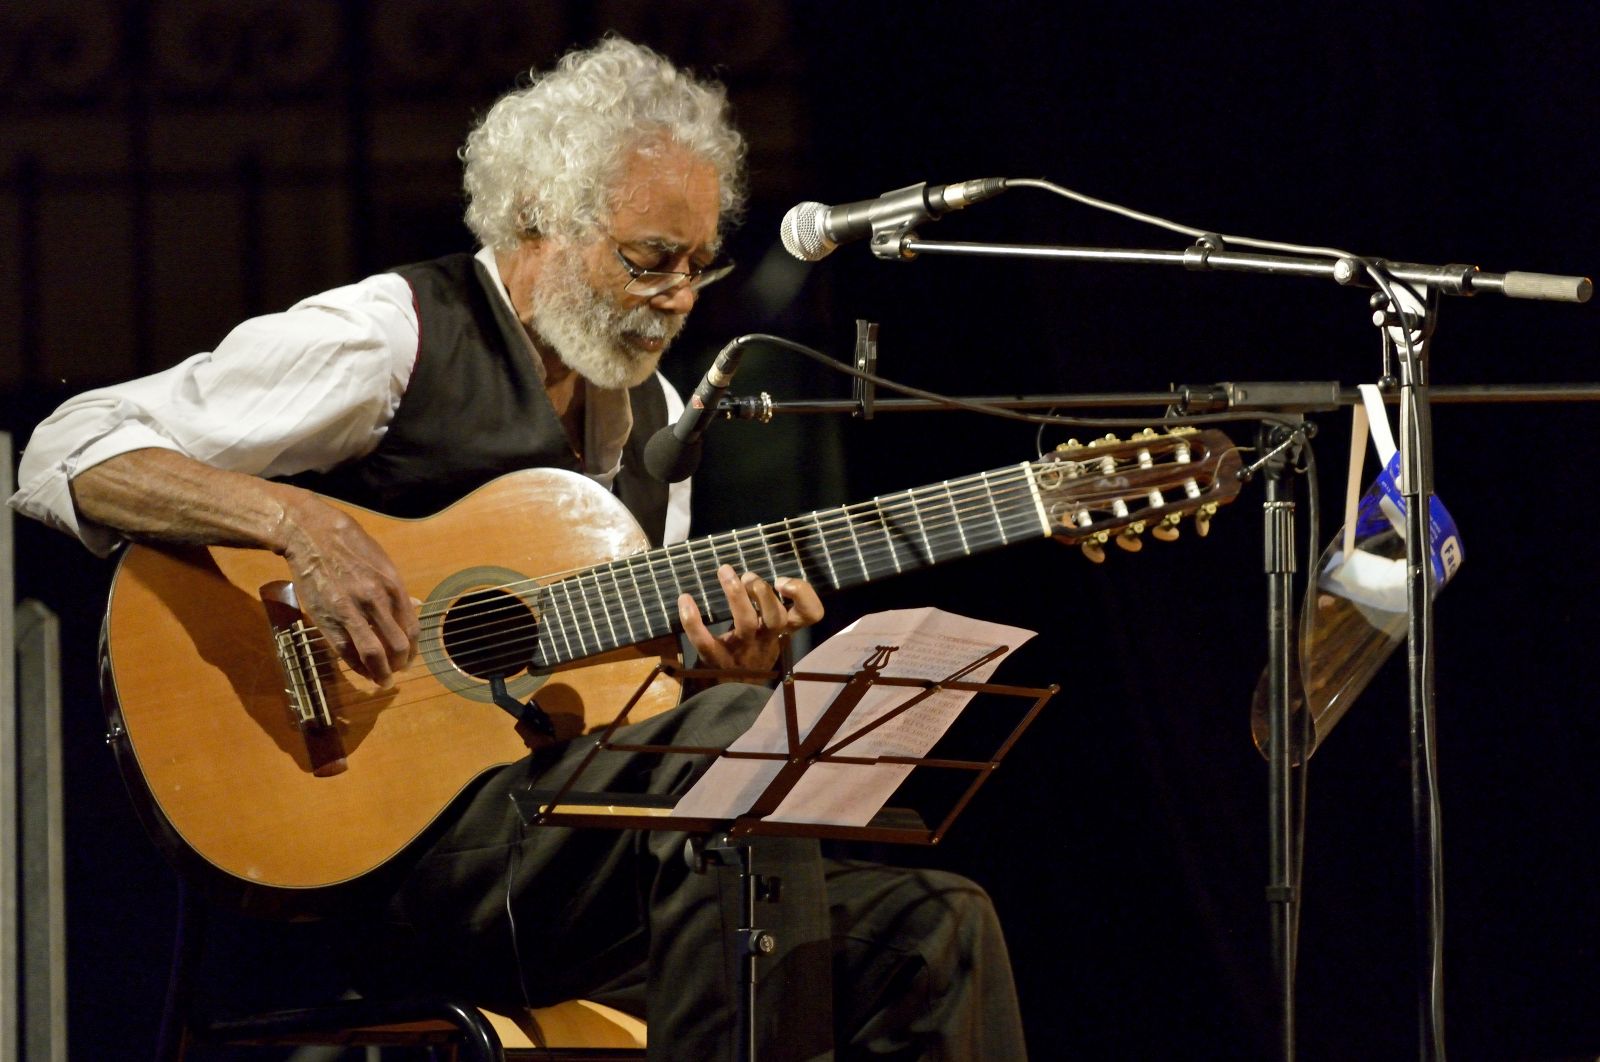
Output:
x=898 y=213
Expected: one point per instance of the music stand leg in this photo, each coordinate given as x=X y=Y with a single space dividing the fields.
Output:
x=752 y=943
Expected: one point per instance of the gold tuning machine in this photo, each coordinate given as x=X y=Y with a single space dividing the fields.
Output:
x=1167 y=529
x=1094 y=547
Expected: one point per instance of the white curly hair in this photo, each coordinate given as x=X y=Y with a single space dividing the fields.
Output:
x=544 y=158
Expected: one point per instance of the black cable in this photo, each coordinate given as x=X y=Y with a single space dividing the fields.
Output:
x=512 y=851
x=1167 y=419
x=1298 y=827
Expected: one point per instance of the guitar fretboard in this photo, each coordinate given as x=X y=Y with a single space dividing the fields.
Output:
x=634 y=599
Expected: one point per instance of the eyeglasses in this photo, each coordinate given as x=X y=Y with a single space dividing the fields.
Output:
x=647 y=283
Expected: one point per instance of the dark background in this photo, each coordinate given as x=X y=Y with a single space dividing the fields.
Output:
x=172 y=168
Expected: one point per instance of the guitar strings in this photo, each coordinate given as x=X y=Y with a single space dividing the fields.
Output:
x=498 y=630
x=589 y=580
x=964 y=497
x=762 y=536
x=802 y=531
x=881 y=543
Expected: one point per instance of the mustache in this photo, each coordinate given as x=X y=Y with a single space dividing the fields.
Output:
x=651 y=323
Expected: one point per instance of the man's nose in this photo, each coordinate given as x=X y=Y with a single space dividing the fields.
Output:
x=679 y=300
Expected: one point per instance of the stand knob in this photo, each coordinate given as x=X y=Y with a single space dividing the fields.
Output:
x=758 y=941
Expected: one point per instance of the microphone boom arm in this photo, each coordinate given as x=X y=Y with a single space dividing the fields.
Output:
x=1446 y=279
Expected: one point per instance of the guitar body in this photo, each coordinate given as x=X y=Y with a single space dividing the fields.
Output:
x=201 y=721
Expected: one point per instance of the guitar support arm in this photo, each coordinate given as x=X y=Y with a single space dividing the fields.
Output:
x=532 y=721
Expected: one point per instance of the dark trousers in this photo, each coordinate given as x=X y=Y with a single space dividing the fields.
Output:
x=886 y=963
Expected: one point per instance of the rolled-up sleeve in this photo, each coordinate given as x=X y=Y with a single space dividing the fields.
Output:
x=304 y=389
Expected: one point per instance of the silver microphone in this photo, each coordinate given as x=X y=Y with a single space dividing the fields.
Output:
x=810 y=231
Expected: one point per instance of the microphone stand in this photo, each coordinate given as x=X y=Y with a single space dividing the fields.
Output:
x=1405 y=312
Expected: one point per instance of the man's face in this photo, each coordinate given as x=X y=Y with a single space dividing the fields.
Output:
x=664 y=216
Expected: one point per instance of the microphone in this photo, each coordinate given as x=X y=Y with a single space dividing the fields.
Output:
x=673 y=453
x=810 y=231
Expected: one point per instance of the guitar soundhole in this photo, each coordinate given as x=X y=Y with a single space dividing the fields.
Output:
x=490 y=633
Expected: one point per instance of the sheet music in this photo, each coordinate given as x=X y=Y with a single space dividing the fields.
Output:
x=931 y=645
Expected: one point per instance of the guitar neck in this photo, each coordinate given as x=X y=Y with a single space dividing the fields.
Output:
x=634 y=599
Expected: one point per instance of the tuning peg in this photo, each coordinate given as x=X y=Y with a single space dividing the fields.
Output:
x=1202 y=519
x=1129 y=540
x=1094 y=546
x=1167 y=529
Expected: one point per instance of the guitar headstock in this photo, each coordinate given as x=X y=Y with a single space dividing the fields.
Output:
x=1111 y=490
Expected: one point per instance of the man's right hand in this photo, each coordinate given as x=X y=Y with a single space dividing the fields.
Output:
x=349 y=588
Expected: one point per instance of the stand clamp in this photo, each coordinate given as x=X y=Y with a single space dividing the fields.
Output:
x=725 y=850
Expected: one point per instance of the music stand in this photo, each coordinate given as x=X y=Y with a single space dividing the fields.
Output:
x=727 y=840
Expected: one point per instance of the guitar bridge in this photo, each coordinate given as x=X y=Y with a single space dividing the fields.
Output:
x=302 y=686
x=298 y=645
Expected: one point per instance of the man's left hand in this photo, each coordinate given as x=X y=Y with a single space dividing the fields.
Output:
x=760 y=615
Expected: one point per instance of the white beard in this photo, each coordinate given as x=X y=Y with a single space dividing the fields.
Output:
x=589 y=332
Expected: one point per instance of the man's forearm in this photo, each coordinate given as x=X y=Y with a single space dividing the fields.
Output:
x=161 y=495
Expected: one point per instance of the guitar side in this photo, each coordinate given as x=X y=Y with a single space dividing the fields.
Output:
x=203 y=728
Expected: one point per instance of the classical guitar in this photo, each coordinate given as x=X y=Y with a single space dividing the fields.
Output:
x=255 y=749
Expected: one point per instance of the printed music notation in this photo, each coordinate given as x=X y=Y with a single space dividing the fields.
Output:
x=930 y=645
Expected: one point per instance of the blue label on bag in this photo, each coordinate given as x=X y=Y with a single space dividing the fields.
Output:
x=1383 y=508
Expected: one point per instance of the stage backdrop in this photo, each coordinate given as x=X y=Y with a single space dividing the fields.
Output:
x=168 y=168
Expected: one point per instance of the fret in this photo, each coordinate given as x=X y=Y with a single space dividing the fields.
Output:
x=566 y=588
x=743 y=565
x=588 y=608
x=728 y=552
x=661 y=600
x=1038 y=500
x=844 y=541
x=922 y=529
x=748 y=560
x=772 y=564
x=888 y=535
x=606 y=602
x=794 y=551
x=903 y=524
x=673 y=555
x=955 y=517
x=547 y=651
x=827 y=554
x=994 y=507
x=685 y=572
x=872 y=540
x=855 y=541
x=622 y=598
x=1019 y=509
x=699 y=581
x=637 y=595
x=550 y=623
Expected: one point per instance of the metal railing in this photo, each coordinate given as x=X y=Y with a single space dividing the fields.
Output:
x=33 y=993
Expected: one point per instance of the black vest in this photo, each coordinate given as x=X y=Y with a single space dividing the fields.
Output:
x=475 y=408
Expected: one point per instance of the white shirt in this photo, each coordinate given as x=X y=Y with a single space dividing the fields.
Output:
x=305 y=389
